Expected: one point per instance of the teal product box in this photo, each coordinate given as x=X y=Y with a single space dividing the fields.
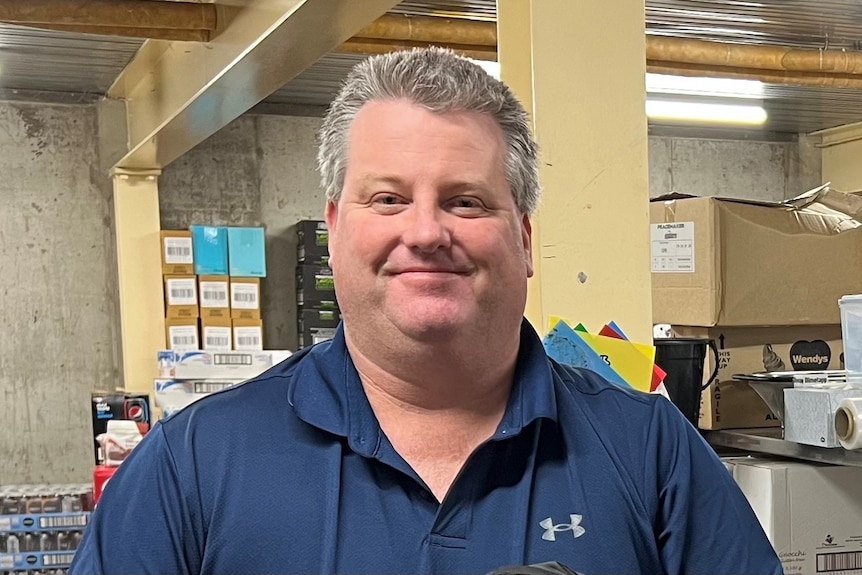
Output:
x=246 y=249
x=210 y=246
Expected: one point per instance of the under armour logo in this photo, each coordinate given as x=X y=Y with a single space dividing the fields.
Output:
x=551 y=530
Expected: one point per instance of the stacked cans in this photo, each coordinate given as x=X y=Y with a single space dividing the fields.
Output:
x=41 y=526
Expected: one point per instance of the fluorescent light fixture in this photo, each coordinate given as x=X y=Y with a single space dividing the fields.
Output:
x=720 y=87
x=491 y=67
x=705 y=113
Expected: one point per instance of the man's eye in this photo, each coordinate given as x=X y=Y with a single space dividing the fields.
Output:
x=387 y=199
x=467 y=204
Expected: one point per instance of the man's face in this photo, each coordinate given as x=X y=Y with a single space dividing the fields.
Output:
x=426 y=238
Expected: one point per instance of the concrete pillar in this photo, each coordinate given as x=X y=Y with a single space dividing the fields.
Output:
x=588 y=97
x=136 y=208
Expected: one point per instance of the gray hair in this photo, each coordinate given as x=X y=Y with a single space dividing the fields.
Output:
x=440 y=81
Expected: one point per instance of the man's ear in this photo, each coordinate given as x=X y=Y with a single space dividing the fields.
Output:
x=330 y=215
x=527 y=239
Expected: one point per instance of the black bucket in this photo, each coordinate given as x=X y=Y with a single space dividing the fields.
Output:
x=683 y=359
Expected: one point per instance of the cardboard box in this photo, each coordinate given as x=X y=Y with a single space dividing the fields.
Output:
x=728 y=404
x=248 y=334
x=315 y=285
x=214 y=296
x=809 y=414
x=315 y=326
x=244 y=298
x=312 y=242
x=174 y=394
x=182 y=333
x=811 y=513
x=246 y=249
x=181 y=297
x=210 y=247
x=177 y=253
x=216 y=334
x=736 y=263
x=213 y=365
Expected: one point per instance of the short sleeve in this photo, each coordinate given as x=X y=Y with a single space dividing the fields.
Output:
x=142 y=509
x=704 y=525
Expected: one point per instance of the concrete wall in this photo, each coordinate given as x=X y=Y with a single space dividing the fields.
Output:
x=59 y=304
x=58 y=286
x=733 y=168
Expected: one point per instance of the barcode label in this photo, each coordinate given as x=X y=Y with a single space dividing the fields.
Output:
x=845 y=561
x=7 y=561
x=247 y=338
x=212 y=386
x=67 y=521
x=178 y=251
x=244 y=296
x=224 y=359
x=58 y=559
x=214 y=294
x=216 y=338
x=183 y=337
x=6 y=524
x=182 y=292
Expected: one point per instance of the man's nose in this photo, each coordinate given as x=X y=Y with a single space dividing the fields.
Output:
x=428 y=230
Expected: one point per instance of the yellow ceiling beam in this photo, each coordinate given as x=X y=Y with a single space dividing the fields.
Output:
x=177 y=94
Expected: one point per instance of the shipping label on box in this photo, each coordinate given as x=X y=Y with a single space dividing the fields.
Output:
x=216 y=334
x=248 y=334
x=182 y=334
x=245 y=298
x=177 y=254
x=729 y=404
x=181 y=297
x=755 y=264
x=214 y=291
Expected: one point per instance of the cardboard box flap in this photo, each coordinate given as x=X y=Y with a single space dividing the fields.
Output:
x=821 y=210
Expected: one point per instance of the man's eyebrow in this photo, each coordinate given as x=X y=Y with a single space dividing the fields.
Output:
x=371 y=180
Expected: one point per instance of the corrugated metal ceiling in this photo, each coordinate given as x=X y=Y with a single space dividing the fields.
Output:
x=43 y=61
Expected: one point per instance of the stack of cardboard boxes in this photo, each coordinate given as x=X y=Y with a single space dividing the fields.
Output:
x=317 y=308
x=762 y=280
x=212 y=296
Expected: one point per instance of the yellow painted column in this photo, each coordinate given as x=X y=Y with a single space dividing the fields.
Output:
x=842 y=157
x=514 y=52
x=139 y=270
x=588 y=95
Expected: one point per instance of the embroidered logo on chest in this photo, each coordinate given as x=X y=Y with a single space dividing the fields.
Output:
x=551 y=529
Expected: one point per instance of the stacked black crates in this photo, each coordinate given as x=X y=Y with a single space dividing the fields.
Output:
x=317 y=308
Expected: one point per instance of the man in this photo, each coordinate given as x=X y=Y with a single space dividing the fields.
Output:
x=432 y=434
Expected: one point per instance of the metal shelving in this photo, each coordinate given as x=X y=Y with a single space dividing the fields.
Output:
x=769 y=440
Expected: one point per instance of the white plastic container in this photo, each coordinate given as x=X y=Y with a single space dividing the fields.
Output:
x=851 y=331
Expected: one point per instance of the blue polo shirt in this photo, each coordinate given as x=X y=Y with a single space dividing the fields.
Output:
x=291 y=473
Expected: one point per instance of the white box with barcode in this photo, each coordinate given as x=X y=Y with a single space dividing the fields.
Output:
x=811 y=513
x=181 y=297
x=216 y=337
x=214 y=295
x=245 y=298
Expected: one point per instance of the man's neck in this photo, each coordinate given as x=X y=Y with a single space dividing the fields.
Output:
x=437 y=406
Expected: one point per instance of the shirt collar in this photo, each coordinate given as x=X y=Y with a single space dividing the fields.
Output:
x=326 y=392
